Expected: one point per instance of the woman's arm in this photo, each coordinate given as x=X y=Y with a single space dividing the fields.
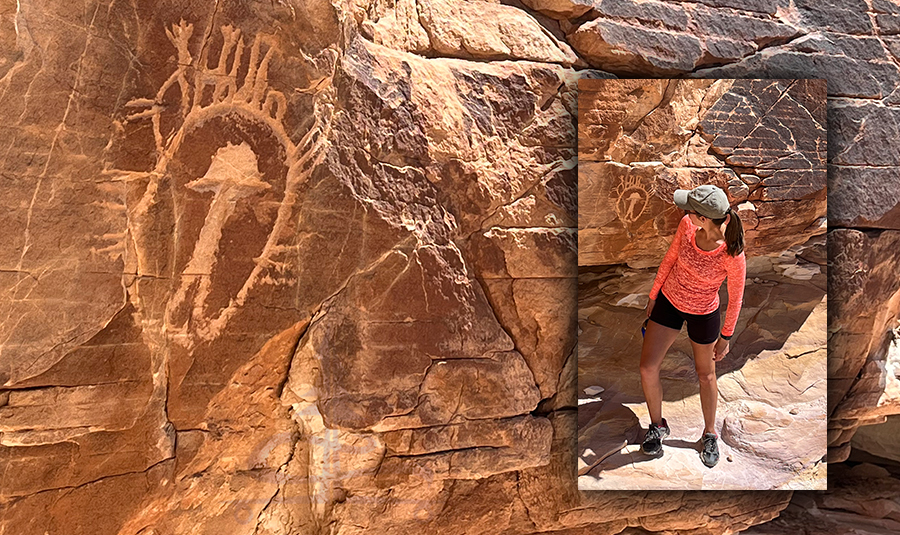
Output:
x=668 y=261
x=737 y=273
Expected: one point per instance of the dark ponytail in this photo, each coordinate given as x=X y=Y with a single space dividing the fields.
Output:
x=734 y=233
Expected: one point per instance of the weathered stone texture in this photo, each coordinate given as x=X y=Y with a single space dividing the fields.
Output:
x=672 y=38
x=763 y=142
x=380 y=137
x=878 y=440
x=313 y=271
x=864 y=307
x=472 y=30
x=862 y=499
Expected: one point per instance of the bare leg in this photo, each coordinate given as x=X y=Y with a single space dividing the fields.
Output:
x=657 y=341
x=709 y=391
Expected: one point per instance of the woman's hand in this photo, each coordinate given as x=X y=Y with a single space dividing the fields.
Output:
x=650 y=306
x=721 y=349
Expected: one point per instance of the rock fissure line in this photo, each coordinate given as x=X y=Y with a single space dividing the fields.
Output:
x=15 y=499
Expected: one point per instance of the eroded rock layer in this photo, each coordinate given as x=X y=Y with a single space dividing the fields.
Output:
x=862 y=499
x=204 y=203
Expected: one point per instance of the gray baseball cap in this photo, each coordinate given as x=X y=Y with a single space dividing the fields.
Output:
x=706 y=200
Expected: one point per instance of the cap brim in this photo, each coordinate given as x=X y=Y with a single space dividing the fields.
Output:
x=681 y=199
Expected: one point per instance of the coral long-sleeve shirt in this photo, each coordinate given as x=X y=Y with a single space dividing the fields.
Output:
x=691 y=277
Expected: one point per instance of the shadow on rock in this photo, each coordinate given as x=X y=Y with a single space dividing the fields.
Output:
x=612 y=428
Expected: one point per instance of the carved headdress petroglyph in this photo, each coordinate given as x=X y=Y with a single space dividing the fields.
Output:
x=632 y=199
x=235 y=89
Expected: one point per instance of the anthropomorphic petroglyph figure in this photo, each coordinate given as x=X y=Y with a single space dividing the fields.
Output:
x=255 y=168
x=233 y=176
x=212 y=223
x=631 y=199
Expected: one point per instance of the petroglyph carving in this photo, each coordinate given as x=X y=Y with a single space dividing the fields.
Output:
x=632 y=198
x=254 y=94
x=236 y=89
x=233 y=175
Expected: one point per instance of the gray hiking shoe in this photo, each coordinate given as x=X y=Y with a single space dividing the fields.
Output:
x=652 y=444
x=710 y=452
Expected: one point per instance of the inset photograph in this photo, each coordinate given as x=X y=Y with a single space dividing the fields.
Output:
x=702 y=284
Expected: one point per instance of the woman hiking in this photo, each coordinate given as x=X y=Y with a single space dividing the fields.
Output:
x=708 y=248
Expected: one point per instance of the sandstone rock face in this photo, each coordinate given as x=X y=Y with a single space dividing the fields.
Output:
x=878 y=440
x=472 y=30
x=296 y=279
x=763 y=142
x=377 y=141
x=864 y=308
x=863 y=499
x=671 y=38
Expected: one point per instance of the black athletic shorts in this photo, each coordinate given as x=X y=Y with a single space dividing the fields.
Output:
x=702 y=328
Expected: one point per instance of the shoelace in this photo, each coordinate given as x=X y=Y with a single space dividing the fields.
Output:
x=709 y=444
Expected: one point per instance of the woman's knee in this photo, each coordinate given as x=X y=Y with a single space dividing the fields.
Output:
x=650 y=369
x=707 y=377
